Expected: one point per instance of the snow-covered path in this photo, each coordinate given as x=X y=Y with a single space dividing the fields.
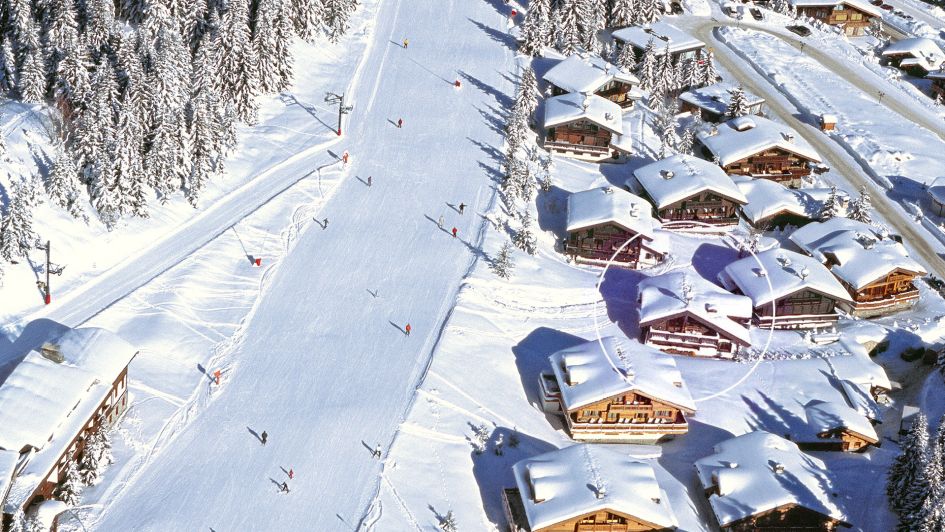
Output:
x=324 y=366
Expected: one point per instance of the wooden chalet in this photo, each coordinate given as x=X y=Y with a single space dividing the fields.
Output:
x=916 y=55
x=757 y=147
x=612 y=226
x=689 y=193
x=836 y=426
x=771 y=204
x=787 y=290
x=585 y=127
x=874 y=267
x=589 y=74
x=759 y=481
x=58 y=395
x=682 y=46
x=604 y=400
x=937 y=86
x=683 y=314
x=711 y=102
x=558 y=492
x=853 y=16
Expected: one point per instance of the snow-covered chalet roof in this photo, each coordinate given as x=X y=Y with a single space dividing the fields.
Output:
x=742 y=137
x=861 y=253
x=663 y=296
x=922 y=51
x=938 y=74
x=824 y=416
x=40 y=394
x=586 y=73
x=568 y=108
x=662 y=34
x=857 y=367
x=583 y=479
x=757 y=472
x=601 y=205
x=8 y=460
x=936 y=190
x=861 y=5
x=676 y=178
x=716 y=97
x=767 y=198
x=770 y=275
x=596 y=370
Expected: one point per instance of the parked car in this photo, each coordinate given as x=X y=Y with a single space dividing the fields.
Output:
x=803 y=31
x=886 y=7
x=676 y=8
x=756 y=13
x=877 y=2
x=730 y=9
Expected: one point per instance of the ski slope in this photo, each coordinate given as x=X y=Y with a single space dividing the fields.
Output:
x=323 y=365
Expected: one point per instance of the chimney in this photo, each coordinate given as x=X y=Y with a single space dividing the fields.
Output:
x=777 y=467
x=50 y=351
x=600 y=492
x=711 y=308
x=607 y=190
x=805 y=273
x=608 y=117
x=667 y=174
x=788 y=136
x=586 y=103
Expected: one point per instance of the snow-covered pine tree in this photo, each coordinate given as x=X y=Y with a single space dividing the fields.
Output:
x=238 y=67
x=709 y=76
x=448 y=523
x=626 y=58
x=536 y=27
x=100 y=19
x=686 y=141
x=524 y=238
x=668 y=81
x=689 y=77
x=592 y=20
x=567 y=23
x=648 y=11
x=831 y=207
x=194 y=23
x=273 y=40
x=503 y=265
x=862 y=207
x=63 y=184
x=527 y=95
x=904 y=474
x=70 y=490
x=90 y=464
x=71 y=82
x=18 y=522
x=931 y=514
x=738 y=104
x=621 y=14
x=7 y=67
x=337 y=15
x=646 y=70
x=666 y=127
x=16 y=228
x=32 y=78
x=307 y=17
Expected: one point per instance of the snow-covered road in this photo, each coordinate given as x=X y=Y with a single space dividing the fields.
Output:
x=324 y=365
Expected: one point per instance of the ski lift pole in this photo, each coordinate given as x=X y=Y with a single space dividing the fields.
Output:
x=343 y=109
x=46 y=248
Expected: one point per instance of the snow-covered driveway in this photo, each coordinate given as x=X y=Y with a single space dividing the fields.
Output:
x=324 y=366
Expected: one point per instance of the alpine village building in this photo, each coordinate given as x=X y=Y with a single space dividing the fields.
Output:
x=586 y=127
x=937 y=86
x=757 y=147
x=59 y=394
x=916 y=55
x=616 y=392
x=874 y=267
x=771 y=204
x=787 y=290
x=853 y=16
x=712 y=101
x=834 y=426
x=682 y=46
x=689 y=193
x=583 y=73
x=684 y=314
x=605 y=220
x=559 y=492
x=759 y=481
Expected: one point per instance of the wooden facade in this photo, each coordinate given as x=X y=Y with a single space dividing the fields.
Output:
x=704 y=207
x=938 y=86
x=605 y=520
x=597 y=244
x=582 y=138
x=891 y=293
x=840 y=439
x=615 y=91
x=801 y=310
x=854 y=21
x=789 y=518
x=776 y=164
x=626 y=417
x=687 y=335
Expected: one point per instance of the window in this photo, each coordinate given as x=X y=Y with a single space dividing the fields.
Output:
x=590 y=233
x=840 y=17
x=856 y=16
x=599 y=244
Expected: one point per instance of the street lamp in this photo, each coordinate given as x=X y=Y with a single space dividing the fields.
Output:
x=343 y=109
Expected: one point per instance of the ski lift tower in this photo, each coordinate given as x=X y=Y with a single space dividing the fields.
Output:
x=343 y=109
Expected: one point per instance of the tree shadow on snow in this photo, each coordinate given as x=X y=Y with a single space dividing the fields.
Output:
x=498 y=36
x=504 y=100
x=493 y=472
x=773 y=417
x=619 y=291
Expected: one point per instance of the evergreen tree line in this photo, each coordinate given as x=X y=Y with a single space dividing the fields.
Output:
x=916 y=481
x=149 y=93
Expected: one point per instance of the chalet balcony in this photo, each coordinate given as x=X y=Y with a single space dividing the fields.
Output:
x=549 y=393
x=602 y=151
x=885 y=305
x=625 y=431
x=515 y=510
x=798 y=321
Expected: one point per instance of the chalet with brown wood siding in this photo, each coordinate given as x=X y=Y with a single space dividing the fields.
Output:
x=585 y=127
x=853 y=16
x=585 y=73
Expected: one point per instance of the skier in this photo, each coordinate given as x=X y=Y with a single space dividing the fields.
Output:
x=407 y=330
x=406 y=42
x=291 y=474
x=285 y=487
x=377 y=452
x=369 y=180
x=325 y=224
x=264 y=437
x=454 y=232
x=439 y=222
x=344 y=157
x=400 y=122
x=462 y=207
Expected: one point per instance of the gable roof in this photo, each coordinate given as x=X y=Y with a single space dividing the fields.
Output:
x=823 y=416
x=758 y=472
x=599 y=369
x=776 y=273
x=662 y=34
x=593 y=207
x=742 y=137
x=936 y=190
x=582 y=479
x=767 y=198
x=924 y=53
x=586 y=73
x=861 y=5
x=568 y=108
x=679 y=177
x=663 y=296
x=862 y=252
x=716 y=97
